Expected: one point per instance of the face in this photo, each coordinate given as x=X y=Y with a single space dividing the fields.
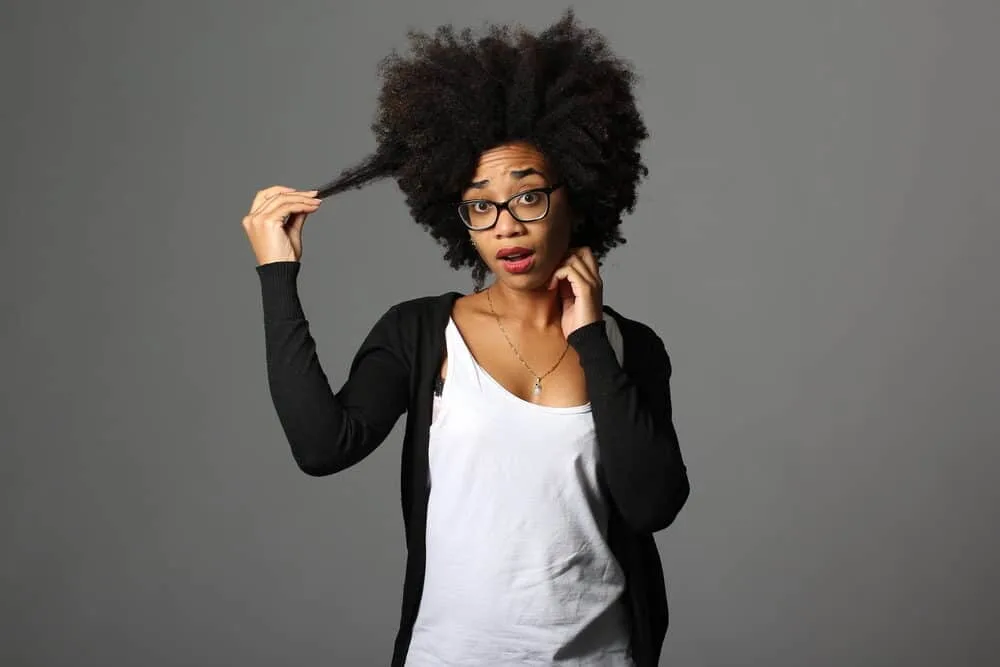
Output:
x=502 y=173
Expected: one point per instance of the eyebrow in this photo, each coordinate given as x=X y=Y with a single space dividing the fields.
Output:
x=516 y=173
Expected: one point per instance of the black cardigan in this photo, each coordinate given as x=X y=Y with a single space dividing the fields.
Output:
x=394 y=371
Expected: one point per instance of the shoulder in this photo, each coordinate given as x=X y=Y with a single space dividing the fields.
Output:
x=408 y=329
x=421 y=308
x=412 y=320
x=638 y=338
x=631 y=328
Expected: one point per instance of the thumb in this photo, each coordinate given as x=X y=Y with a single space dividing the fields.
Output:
x=297 y=223
x=554 y=280
x=295 y=230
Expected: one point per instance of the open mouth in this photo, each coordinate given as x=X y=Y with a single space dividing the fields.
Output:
x=516 y=260
x=516 y=257
x=514 y=252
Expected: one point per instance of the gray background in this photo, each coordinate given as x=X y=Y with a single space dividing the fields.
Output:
x=816 y=244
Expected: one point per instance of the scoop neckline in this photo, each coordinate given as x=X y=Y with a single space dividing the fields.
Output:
x=511 y=396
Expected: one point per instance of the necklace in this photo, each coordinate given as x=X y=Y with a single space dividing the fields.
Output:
x=538 y=378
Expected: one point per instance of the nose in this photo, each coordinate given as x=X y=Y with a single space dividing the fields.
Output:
x=507 y=225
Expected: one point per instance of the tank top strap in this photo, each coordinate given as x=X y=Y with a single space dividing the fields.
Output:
x=463 y=371
x=615 y=337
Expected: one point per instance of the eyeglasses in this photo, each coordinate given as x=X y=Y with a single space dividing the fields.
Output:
x=528 y=206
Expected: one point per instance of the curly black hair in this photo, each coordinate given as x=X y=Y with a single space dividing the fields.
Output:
x=458 y=94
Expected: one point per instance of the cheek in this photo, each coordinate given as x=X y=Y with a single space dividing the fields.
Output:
x=558 y=235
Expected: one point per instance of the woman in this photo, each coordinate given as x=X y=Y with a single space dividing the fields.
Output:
x=539 y=454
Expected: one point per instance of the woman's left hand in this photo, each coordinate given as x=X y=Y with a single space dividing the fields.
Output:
x=580 y=288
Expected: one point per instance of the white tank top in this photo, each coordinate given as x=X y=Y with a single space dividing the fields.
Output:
x=518 y=570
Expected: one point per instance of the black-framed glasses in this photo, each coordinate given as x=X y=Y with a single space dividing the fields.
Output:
x=528 y=206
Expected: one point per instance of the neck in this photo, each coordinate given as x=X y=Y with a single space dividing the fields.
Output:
x=539 y=308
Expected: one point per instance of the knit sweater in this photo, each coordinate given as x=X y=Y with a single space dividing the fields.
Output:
x=394 y=371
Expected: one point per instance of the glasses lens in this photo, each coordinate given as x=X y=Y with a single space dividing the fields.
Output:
x=530 y=206
x=477 y=214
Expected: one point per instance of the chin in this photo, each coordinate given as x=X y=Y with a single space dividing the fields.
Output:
x=528 y=282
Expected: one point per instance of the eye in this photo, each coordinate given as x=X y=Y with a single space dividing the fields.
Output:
x=481 y=207
x=529 y=198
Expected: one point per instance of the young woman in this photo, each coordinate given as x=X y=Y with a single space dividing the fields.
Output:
x=539 y=455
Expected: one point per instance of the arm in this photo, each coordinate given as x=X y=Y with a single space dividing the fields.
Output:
x=639 y=452
x=328 y=432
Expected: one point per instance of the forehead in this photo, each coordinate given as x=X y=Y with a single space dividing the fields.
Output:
x=498 y=162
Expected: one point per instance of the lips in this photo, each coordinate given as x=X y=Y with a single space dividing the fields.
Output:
x=514 y=253
x=516 y=259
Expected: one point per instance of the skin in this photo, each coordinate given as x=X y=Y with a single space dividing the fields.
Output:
x=540 y=308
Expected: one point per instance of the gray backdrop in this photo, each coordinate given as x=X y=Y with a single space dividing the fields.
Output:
x=816 y=244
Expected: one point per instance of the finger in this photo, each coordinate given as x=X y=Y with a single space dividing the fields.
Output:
x=282 y=213
x=558 y=275
x=289 y=215
x=280 y=203
x=270 y=194
x=296 y=222
x=590 y=261
x=280 y=197
x=571 y=274
x=577 y=263
x=267 y=193
x=579 y=275
x=566 y=293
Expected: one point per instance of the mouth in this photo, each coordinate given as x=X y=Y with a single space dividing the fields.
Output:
x=516 y=260
x=514 y=253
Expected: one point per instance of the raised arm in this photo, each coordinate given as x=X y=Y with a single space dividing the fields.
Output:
x=328 y=431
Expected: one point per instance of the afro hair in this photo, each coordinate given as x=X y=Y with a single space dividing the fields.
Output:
x=457 y=94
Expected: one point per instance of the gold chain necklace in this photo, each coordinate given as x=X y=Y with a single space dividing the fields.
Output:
x=538 y=378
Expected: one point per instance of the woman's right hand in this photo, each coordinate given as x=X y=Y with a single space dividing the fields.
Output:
x=274 y=223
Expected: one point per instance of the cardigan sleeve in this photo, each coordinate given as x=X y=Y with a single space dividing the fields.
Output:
x=328 y=431
x=639 y=452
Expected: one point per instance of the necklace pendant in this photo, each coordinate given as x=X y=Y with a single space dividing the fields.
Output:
x=538 y=387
